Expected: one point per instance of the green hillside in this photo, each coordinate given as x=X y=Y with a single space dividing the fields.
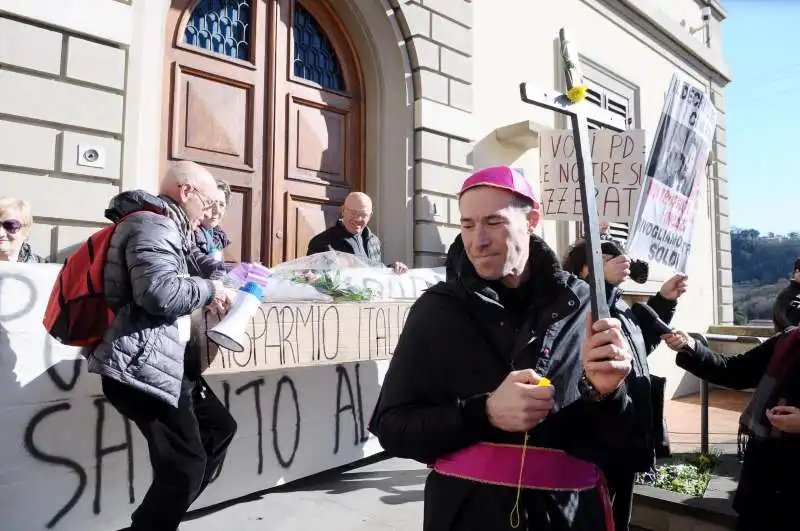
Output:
x=762 y=265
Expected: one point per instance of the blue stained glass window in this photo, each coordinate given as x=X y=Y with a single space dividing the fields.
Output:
x=314 y=57
x=220 y=26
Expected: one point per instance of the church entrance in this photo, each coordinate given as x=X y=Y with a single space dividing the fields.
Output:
x=268 y=95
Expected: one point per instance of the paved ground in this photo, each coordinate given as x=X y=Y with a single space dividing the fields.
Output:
x=387 y=494
x=683 y=420
x=384 y=495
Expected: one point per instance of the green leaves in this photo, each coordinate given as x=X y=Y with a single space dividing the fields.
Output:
x=688 y=474
x=331 y=283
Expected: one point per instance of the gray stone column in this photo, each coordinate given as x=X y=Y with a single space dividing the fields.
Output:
x=439 y=40
x=722 y=234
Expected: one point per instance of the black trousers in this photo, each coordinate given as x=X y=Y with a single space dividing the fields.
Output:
x=777 y=511
x=187 y=446
x=621 y=491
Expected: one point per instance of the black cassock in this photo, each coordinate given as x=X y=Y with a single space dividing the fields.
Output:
x=460 y=340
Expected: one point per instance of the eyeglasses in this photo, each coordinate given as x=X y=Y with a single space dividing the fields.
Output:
x=356 y=214
x=205 y=201
x=11 y=226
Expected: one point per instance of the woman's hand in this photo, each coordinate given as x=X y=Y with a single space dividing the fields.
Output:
x=679 y=340
x=785 y=418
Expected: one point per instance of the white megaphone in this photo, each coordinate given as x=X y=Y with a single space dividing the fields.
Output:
x=229 y=333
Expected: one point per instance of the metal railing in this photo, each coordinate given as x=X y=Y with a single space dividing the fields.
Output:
x=719 y=338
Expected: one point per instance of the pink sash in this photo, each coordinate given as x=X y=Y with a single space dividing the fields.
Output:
x=542 y=469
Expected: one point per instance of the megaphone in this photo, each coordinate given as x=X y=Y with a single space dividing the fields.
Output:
x=229 y=333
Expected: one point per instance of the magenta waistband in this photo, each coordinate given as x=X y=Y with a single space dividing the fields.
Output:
x=499 y=464
x=542 y=469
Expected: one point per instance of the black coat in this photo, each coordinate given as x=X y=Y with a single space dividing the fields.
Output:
x=786 y=310
x=769 y=489
x=338 y=238
x=643 y=339
x=460 y=340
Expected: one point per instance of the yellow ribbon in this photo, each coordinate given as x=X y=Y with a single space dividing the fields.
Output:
x=514 y=517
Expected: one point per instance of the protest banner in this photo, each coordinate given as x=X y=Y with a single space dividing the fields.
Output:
x=617 y=164
x=664 y=221
x=289 y=330
x=72 y=462
x=289 y=334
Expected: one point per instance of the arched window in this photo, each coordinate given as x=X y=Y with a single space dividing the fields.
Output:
x=220 y=26
x=314 y=56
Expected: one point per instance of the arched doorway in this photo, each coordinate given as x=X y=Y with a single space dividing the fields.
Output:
x=269 y=95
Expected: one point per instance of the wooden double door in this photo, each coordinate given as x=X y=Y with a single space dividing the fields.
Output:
x=269 y=96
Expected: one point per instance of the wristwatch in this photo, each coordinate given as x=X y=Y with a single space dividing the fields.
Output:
x=588 y=391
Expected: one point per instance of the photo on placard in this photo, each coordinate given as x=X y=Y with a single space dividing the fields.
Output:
x=674 y=159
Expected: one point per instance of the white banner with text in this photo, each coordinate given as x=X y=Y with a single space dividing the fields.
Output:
x=617 y=164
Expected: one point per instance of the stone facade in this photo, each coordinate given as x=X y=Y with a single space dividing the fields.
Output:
x=719 y=177
x=440 y=44
x=77 y=60
x=62 y=102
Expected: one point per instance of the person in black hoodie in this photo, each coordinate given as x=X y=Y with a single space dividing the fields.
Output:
x=621 y=467
x=786 y=310
x=769 y=428
x=466 y=394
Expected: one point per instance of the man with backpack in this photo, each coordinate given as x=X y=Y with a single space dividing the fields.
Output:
x=148 y=373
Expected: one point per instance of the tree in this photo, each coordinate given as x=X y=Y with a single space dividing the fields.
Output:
x=760 y=259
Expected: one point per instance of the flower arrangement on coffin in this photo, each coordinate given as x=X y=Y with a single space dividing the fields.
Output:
x=331 y=283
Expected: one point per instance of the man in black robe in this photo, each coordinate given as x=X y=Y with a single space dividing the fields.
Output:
x=499 y=384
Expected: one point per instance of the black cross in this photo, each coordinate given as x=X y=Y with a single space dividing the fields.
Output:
x=581 y=114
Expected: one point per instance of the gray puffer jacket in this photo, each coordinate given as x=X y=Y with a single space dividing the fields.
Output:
x=148 y=286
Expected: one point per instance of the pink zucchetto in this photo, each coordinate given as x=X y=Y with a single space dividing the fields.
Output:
x=504 y=178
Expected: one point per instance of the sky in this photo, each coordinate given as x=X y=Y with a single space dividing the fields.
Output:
x=763 y=142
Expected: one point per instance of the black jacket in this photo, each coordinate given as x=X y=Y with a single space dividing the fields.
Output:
x=769 y=489
x=461 y=339
x=643 y=339
x=365 y=246
x=786 y=310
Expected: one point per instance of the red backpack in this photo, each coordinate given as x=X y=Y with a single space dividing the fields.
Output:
x=77 y=313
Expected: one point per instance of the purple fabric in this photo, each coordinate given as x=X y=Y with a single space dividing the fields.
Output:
x=543 y=469
x=501 y=177
x=499 y=464
x=252 y=272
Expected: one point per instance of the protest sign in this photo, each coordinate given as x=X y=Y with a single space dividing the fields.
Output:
x=295 y=331
x=617 y=164
x=664 y=221
x=290 y=334
x=72 y=462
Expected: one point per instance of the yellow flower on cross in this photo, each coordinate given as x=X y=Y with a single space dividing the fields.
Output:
x=577 y=93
